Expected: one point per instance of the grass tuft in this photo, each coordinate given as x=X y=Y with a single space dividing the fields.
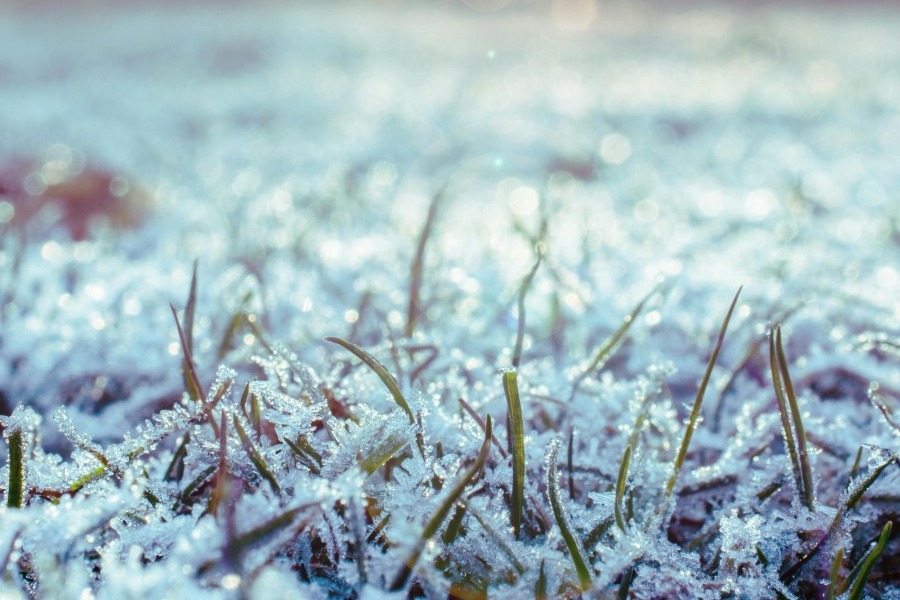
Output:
x=850 y=502
x=792 y=423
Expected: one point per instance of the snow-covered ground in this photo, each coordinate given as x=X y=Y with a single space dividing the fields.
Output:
x=294 y=150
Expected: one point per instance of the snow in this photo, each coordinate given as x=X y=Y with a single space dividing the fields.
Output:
x=293 y=149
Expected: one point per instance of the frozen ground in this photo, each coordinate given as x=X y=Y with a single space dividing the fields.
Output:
x=294 y=151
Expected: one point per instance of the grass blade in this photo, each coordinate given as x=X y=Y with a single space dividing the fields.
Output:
x=191 y=381
x=446 y=505
x=381 y=454
x=857 y=588
x=523 y=290
x=698 y=401
x=414 y=310
x=581 y=567
x=190 y=310
x=255 y=457
x=15 y=491
x=834 y=583
x=380 y=370
x=796 y=442
x=570 y=462
x=302 y=447
x=540 y=586
x=517 y=449
x=625 y=584
x=471 y=412
x=606 y=351
x=454 y=527
x=175 y=470
x=620 y=488
x=786 y=427
x=259 y=534
x=185 y=496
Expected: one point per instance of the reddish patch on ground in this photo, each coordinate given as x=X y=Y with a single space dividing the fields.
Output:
x=38 y=197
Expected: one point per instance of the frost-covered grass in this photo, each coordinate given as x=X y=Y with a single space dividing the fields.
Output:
x=465 y=318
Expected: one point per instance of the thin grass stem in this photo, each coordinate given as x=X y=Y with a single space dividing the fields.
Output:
x=517 y=449
x=834 y=576
x=416 y=271
x=15 y=491
x=255 y=456
x=858 y=585
x=380 y=370
x=523 y=291
x=802 y=468
x=582 y=569
x=612 y=343
x=621 y=481
x=698 y=401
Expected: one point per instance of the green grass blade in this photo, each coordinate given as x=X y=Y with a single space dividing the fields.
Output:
x=834 y=582
x=255 y=457
x=609 y=347
x=304 y=450
x=454 y=527
x=416 y=271
x=380 y=370
x=761 y=556
x=175 y=470
x=446 y=505
x=260 y=534
x=185 y=496
x=857 y=588
x=517 y=448
x=540 y=586
x=471 y=412
x=187 y=362
x=381 y=454
x=625 y=584
x=15 y=491
x=191 y=381
x=698 y=401
x=520 y=332
x=190 y=310
x=620 y=488
x=807 y=497
x=581 y=567
x=786 y=426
